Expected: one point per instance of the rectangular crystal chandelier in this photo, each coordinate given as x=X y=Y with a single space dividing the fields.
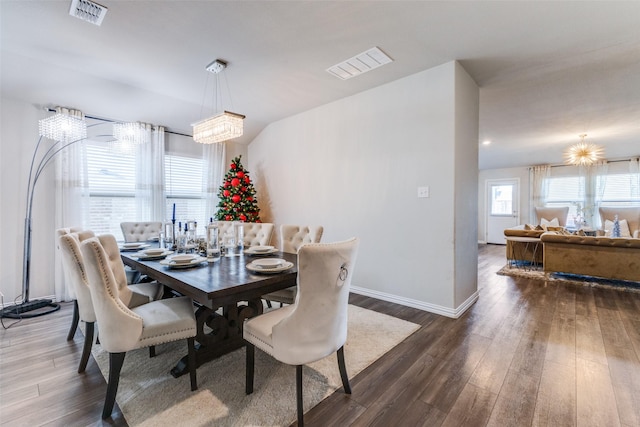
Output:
x=66 y=125
x=221 y=127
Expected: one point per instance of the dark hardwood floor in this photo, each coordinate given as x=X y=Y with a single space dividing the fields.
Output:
x=528 y=353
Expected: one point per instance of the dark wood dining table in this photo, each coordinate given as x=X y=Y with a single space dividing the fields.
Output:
x=225 y=293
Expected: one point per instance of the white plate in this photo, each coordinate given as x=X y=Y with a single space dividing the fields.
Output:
x=153 y=251
x=257 y=269
x=193 y=263
x=133 y=246
x=183 y=258
x=144 y=257
x=260 y=249
x=251 y=251
x=268 y=262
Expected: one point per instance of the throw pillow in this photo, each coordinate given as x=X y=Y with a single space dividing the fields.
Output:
x=545 y=223
x=624 y=228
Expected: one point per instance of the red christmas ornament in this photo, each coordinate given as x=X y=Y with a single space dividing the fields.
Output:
x=240 y=174
x=235 y=182
x=246 y=180
x=226 y=193
x=228 y=217
x=243 y=217
x=236 y=198
x=250 y=199
x=243 y=189
x=226 y=184
x=233 y=165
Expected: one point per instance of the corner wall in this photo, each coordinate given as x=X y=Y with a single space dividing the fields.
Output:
x=354 y=166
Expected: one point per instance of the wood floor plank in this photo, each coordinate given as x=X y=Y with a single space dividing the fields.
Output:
x=515 y=405
x=556 y=398
x=596 y=402
x=472 y=408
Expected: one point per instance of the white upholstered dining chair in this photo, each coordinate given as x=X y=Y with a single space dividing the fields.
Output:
x=292 y=237
x=68 y=280
x=123 y=329
x=315 y=326
x=254 y=233
x=140 y=231
x=75 y=272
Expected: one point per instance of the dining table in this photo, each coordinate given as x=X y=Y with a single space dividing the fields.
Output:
x=225 y=293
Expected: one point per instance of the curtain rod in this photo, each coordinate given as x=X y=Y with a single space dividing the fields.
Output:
x=561 y=165
x=166 y=130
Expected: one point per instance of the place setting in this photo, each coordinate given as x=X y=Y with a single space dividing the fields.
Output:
x=260 y=250
x=269 y=265
x=183 y=261
x=152 y=254
x=133 y=246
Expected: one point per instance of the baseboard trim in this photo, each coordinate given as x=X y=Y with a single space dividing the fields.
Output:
x=420 y=305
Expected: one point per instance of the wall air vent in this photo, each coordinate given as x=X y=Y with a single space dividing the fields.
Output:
x=88 y=11
x=361 y=63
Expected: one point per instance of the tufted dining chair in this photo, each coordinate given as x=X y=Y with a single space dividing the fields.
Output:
x=255 y=233
x=71 y=289
x=292 y=237
x=73 y=264
x=140 y=231
x=150 y=290
x=315 y=325
x=123 y=329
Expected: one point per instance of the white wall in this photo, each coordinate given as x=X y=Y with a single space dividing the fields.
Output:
x=522 y=174
x=354 y=166
x=19 y=136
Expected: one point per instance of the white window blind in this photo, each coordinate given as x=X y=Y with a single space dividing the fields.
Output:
x=111 y=180
x=184 y=187
x=619 y=190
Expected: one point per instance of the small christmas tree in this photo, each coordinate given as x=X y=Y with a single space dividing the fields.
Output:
x=237 y=196
x=616 y=227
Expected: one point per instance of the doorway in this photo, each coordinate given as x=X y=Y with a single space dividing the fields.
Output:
x=503 y=201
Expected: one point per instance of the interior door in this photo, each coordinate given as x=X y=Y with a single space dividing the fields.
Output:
x=503 y=200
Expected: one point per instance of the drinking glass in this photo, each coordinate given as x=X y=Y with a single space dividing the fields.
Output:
x=213 y=247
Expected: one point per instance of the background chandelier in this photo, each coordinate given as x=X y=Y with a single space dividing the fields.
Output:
x=65 y=125
x=133 y=133
x=222 y=126
x=583 y=153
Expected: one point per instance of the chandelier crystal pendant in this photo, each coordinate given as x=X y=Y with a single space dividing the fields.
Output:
x=222 y=126
x=131 y=133
x=66 y=125
x=583 y=153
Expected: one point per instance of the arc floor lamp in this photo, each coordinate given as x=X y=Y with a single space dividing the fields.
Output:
x=65 y=128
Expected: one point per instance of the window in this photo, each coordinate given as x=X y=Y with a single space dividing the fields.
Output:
x=566 y=191
x=619 y=190
x=184 y=186
x=112 y=189
x=111 y=179
x=502 y=200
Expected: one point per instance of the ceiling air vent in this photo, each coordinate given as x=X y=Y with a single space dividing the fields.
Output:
x=88 y=11
x=361 y=63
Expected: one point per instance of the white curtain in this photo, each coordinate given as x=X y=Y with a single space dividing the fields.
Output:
x=599 y=173
x=634 y=170
x=539 y=188
x=150 y=189
x=214 y=162
x=72 y=204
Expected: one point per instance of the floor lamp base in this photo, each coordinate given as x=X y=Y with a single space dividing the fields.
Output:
x=33 y=308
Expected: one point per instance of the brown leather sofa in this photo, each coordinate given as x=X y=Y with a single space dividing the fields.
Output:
x=606 y=257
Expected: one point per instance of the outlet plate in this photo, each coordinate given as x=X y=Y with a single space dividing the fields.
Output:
x=423 y=192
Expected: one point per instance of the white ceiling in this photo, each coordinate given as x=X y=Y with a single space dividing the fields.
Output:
x=547 y=71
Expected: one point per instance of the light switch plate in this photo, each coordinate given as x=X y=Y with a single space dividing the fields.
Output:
x=423 y=192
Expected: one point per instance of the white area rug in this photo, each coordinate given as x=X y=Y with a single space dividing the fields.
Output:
x=149 y=396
